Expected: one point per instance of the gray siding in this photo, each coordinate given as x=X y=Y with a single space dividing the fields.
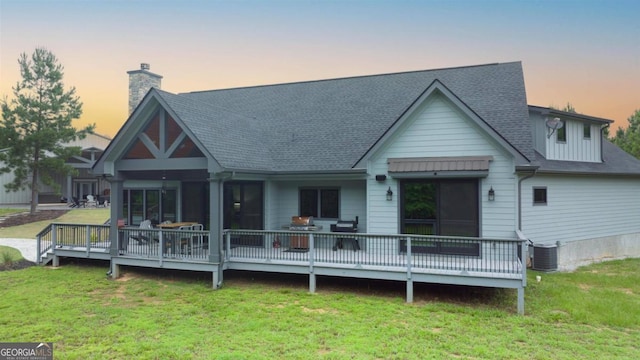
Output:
x=18 y=197
x=439 y=129
x=539 y=131
x=580 y=208
x=576 y=148
x=352 y=202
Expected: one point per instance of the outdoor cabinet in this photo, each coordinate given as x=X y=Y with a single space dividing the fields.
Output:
x=299 y=241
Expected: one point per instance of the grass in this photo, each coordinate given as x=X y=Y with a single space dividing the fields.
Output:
x=9 y=211
x=9 y=255
x=76 y=216
x=589 y=314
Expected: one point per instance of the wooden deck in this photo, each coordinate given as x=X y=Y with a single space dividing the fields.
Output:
x=388 y=257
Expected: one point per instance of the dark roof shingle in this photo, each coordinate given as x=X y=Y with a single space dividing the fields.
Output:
x=331 y=124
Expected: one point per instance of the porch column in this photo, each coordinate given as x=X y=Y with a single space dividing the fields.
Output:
x=69 y=189
x=215 y=220
x=116 y=213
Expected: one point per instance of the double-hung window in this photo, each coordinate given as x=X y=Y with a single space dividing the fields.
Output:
x=320 y=203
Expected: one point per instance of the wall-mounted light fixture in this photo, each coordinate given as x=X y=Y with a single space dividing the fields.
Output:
x=492 y=194
x=389 y=194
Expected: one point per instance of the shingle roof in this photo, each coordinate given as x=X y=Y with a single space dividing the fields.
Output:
x=330 y=124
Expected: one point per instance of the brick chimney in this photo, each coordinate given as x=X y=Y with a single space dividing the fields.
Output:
x=140 y=81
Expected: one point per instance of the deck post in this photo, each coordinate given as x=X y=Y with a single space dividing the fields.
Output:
x=409 y=278
x=116 y=200
x=216 y=278
x=227 y=238
x=38 y=249
x=88 y=239
x=54 y=237
x=521 y=300
x=215 y=219
x=312 y=283
x=312 y=275
x=161 y=247
x=115 y=270
x=523 y=265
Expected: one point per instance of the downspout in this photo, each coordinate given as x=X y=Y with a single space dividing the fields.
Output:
x=602 y=140
x=533 y=173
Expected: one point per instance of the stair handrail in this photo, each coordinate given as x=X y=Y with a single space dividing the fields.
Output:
x=40 y=249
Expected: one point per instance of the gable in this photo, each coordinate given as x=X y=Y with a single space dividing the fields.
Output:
x=440 y=124
x=162 y=138
x=439 y=131
x=152 y=138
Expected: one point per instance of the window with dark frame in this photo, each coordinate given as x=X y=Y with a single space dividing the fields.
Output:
x=587 y=131
x=539 y=195
x=323 y=203
x=561 y=133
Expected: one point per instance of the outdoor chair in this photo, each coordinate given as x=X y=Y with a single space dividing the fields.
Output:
x=186 y=243
x=74 y=202
x=143 y=236
x=91 y=201
x=199 y=238
x=101 y=201
x=176 y=242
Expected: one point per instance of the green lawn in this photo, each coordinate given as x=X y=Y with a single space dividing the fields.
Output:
x=589 y=314
x=8 y=211
x=9 y=254
x=76 y=216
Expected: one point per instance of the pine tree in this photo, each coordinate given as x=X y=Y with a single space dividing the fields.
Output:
x=36 y=123
x=629 y=139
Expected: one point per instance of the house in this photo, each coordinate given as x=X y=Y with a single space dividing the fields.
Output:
x=80 y=185
x=446 y=173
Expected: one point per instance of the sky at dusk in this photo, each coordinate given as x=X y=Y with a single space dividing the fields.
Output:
x=583 y=52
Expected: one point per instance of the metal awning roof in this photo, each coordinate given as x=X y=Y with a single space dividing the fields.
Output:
x=462 y=164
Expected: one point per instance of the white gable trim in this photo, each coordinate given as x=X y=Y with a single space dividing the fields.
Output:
x=438 y=88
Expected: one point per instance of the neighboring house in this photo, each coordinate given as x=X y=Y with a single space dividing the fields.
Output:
x=79 y=185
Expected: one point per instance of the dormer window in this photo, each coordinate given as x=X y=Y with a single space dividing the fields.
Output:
x=587 y=131
x=561 y=133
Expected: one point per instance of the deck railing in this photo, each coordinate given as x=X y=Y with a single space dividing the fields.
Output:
x=448 y=253
x=417 y=252
x=83 y=237
x=190 y=245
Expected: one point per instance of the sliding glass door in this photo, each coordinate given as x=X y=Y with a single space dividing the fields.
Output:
x=448 y=207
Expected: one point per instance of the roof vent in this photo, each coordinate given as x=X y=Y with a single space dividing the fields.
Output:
x=144 y=66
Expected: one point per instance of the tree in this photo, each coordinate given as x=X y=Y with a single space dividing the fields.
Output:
x=629 y=139
x=569 y=108
x=36 y=124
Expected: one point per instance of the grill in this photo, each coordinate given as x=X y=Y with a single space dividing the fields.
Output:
x=301 y=223
x=345 y=226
